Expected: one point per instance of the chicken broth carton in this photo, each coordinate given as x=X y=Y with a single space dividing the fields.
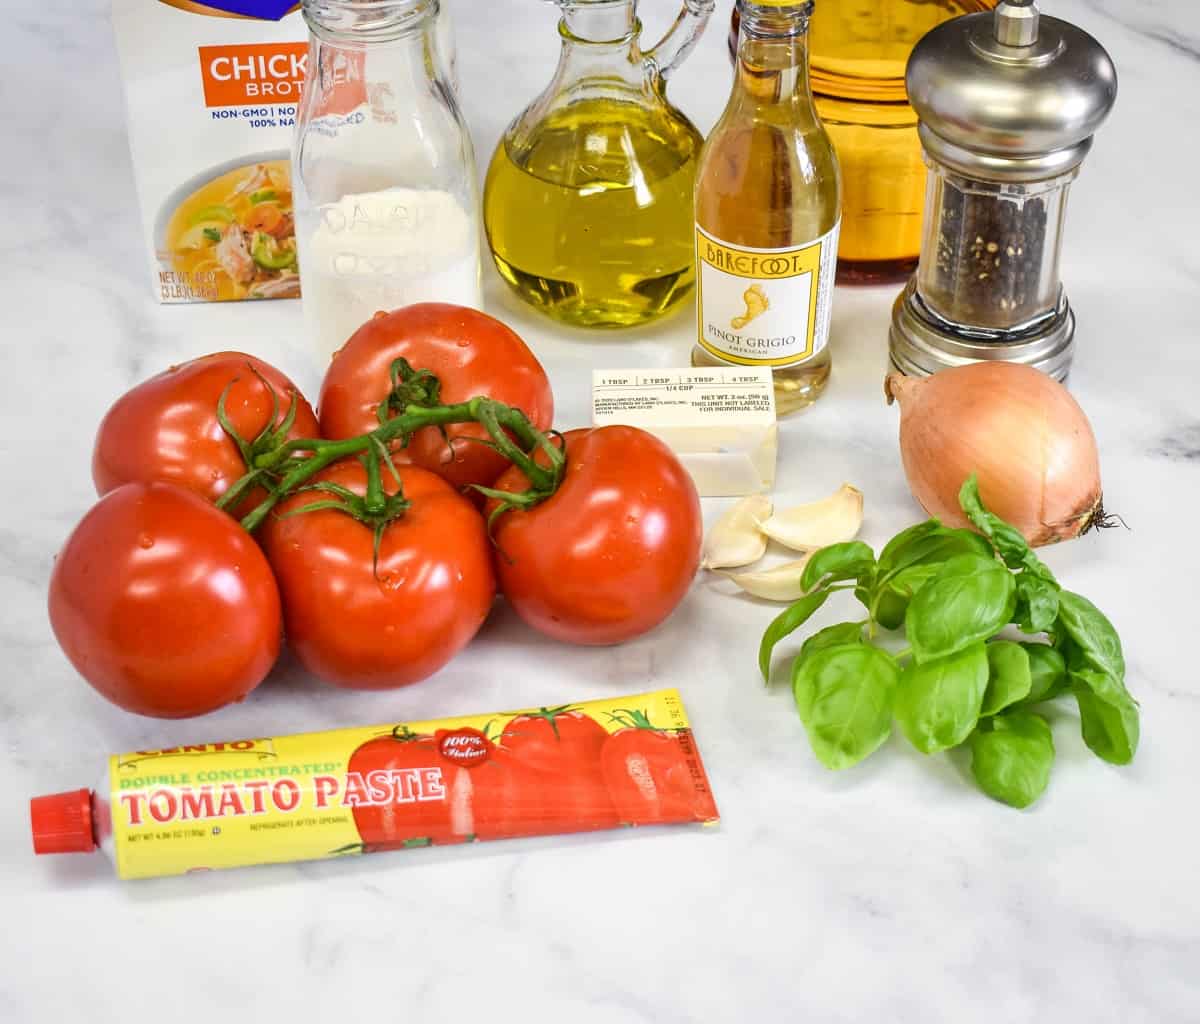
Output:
x=212 y=90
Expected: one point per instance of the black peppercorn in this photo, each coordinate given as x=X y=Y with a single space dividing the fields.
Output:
x=989 y=259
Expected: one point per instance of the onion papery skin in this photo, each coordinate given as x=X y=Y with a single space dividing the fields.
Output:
x=1018 y=430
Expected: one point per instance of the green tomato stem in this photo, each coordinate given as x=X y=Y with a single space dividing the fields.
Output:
x=497 y=418
x=374 y=501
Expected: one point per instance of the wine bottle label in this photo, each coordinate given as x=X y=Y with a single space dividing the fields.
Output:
x=765 y=307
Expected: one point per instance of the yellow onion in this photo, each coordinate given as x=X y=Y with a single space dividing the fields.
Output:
x=1020 y=431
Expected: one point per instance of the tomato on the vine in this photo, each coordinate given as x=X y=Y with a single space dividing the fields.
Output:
x=468 y=351
x=166 y=429
x=374 y=624
x=612 y=553
x=165 y=604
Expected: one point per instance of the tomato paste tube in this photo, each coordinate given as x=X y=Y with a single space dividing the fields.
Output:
x=574 y=768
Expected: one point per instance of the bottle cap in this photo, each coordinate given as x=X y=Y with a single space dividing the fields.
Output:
x=62 y=822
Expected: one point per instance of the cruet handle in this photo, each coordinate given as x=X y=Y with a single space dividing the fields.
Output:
x=672 y=49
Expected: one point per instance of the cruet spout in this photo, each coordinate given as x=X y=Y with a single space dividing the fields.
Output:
x=680 y=39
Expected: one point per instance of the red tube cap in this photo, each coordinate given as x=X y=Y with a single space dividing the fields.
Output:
x=62 y=822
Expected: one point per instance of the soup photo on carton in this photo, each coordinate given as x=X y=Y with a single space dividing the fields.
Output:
x=215 y=191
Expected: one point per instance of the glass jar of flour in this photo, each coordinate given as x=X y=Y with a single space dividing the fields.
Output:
x=383 y=170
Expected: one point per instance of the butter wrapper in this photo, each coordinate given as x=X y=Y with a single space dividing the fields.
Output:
x=719 y=421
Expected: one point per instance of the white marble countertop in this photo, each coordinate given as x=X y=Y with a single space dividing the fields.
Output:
x=892 y=892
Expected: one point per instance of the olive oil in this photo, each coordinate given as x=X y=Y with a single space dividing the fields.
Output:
x=590 y=218
x=768 y=214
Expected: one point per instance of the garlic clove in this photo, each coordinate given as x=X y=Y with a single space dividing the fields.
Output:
x=782 y=583
x=737 y=538
x=832 y=520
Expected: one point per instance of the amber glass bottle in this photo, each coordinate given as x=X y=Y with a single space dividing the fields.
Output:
x=859 y=50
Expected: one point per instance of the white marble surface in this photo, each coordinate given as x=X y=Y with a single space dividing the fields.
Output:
x=893 y=892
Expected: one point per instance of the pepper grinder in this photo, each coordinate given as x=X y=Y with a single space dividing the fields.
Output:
x=1008 y=102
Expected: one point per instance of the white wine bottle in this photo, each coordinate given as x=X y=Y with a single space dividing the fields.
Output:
x=768 y=209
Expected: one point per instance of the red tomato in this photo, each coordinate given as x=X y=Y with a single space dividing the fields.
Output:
x=564 y=787
x=363 y=627
x=166 y=428
x=470 y=353
x=164 y=604
x=649 y=778
x=615 y=549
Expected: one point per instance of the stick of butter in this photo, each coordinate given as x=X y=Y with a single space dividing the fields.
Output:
x=720 y=422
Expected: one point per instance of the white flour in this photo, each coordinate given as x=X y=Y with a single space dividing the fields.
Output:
x=377 y=251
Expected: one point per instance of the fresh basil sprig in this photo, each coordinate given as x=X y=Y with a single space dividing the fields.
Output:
x=953 y=591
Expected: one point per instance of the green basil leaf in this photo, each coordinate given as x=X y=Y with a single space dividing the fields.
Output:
x=1048 y=673
x=936 y=546
x=833 y=636
x=787 y=622
x=1008 y=540
x=903 y=540
x=1096 y=645
x=889 y=609
x=864 y=589
x=906 y=582
x=1012 y=756
x=1009 y=676
x=1111 y=730
x=844 y=696
x=1065 y=646
x=967 y=542
x=912 y=565
x=938 y=702
x=1104 y=686
x=891 y=603
x=847 y=561
x=1037 y=604
x=970 y=599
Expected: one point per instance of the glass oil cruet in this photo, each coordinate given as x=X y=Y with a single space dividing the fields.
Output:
x=588 y=199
